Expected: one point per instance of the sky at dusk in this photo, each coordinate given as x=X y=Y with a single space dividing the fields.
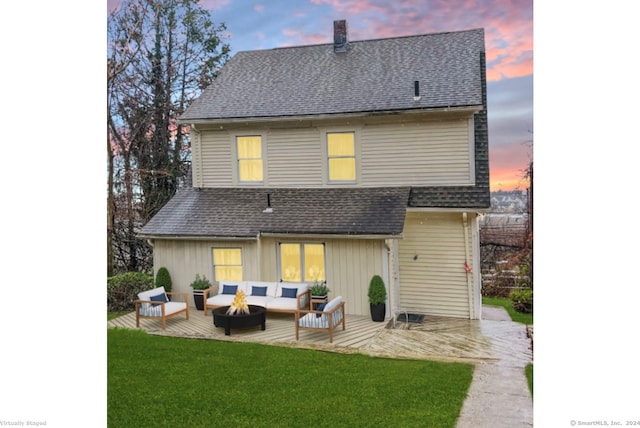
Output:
x=508 y=25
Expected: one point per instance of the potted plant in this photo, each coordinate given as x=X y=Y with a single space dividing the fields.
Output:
x=377 y=298
x=319 y=290
x=199 y=285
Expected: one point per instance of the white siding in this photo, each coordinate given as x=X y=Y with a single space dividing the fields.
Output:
x=432 y=275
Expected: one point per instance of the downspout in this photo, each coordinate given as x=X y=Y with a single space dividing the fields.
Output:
x=196 y=167
x=394 y=287
x=259 y=256
x=466 y=261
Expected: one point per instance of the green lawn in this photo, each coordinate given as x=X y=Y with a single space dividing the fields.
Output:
x=528 y=370
x=506 y=303
x=157 y=381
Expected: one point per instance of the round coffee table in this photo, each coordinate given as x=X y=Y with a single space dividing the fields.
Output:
x=256 y=316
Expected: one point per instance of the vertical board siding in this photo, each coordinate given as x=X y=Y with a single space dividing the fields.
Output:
x=184 y=259
x=435 y=283
x=350 y=264
x=294 y=158
x=416 y=154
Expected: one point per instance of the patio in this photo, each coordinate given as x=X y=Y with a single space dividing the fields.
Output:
x=435 y=338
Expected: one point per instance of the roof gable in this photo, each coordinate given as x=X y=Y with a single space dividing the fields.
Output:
x=372 y=76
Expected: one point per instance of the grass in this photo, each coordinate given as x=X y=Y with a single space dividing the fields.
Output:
x=528 y=371
x=158 y=381
x=506 y=303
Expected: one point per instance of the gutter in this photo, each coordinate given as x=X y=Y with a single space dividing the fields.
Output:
x=198 y=238
x=329 y=236
x=325 y=116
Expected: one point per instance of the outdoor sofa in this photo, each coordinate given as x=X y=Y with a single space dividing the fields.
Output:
x=288 y=297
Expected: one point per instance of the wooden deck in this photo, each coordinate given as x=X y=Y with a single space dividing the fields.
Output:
x=436 y=338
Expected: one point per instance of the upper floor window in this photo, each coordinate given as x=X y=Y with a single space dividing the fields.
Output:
x=341 y=150
x=249 y=149
x=227 y=264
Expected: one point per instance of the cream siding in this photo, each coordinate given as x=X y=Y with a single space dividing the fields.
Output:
x=413 y=153
x=432 y=275
x=294 y=158
x=184 y=259
x=217 y=162
x=429 y=153
x=349 y=264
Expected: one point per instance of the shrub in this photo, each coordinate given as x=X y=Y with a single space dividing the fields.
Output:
x=123 y=289
x=377 y=293
x=163 y=279
x=522 y=300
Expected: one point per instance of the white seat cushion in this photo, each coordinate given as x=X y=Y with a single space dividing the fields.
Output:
x=283 y=304
x=221 y=300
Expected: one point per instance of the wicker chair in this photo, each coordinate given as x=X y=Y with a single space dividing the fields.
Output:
x=326 y=318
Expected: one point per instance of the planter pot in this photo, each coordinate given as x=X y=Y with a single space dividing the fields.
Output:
x=377 y=311
x=198 y=298
x=318 y=300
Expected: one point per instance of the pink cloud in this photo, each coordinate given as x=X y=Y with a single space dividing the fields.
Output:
x=508 y=25
x=258 y=7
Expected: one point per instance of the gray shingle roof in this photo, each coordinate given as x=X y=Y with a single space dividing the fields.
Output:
x=374 y=75
x=238 y=212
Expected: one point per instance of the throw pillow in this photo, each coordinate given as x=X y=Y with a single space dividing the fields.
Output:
x=229 y=289
x=289 y=292
x=320 y=307
x=159 y=298
x=258 y=291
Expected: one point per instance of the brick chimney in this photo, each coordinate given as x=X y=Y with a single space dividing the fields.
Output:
x=340 y=39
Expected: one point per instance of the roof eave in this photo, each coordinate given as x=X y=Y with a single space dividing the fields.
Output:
x=471 y=109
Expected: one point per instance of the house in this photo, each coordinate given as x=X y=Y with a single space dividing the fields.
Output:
x=338 y=162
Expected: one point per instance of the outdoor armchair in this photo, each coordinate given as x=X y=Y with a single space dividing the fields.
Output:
x=326 y=317
x=155 y=304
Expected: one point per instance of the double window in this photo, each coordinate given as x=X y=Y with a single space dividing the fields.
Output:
x=300 y=262
x=250 y=165
x=341 y=152
x=227 y=264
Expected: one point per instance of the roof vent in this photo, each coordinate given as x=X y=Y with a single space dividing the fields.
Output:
x=340 y=39
x=416 y=90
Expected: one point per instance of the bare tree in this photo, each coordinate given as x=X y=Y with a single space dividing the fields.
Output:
x=161 y=55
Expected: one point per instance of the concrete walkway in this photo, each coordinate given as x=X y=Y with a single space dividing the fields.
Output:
x=499 y=395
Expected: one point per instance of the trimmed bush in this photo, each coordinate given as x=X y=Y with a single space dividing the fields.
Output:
x=163 y=279
x=377 y=292
x=522 y=300
x=123 y=289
